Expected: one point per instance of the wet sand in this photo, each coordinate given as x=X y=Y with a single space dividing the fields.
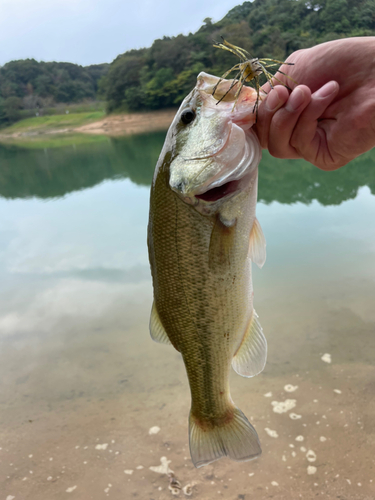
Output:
x=78 y=405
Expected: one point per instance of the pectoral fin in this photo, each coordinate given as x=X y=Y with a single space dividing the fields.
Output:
x=221 y=249
x=257 y=245
x=157 y=331
x=251 y=356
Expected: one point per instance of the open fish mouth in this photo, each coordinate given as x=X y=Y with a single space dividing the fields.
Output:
x=217 y=193
x=235 y=161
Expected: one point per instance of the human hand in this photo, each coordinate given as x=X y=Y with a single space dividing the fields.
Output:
x=327 y=124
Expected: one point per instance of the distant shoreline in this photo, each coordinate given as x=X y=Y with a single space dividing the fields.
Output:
x=64 y=126
x=129 y=124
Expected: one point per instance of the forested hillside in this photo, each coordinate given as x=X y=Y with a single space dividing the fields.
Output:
x=162 y=75
x=31 y=85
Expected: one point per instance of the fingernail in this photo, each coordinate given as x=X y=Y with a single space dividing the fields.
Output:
x=272 y=100
x=326 y=90
x=295 y=100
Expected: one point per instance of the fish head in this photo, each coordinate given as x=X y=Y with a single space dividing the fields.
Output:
x=214 y=153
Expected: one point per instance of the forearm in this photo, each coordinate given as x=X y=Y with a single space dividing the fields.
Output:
x=348 y=61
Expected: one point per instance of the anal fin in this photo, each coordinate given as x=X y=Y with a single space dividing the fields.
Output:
x=157 y=331
x=251 y=356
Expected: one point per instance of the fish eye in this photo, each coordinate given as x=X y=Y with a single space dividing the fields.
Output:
x=187 y=116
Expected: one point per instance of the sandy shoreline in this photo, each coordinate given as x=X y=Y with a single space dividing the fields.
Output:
x=127 y=124
x=111 y=125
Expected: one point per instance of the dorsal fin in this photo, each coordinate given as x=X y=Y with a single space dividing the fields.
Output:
x=251 y=356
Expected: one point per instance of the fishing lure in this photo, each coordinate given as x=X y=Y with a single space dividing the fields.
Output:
x=250 y=70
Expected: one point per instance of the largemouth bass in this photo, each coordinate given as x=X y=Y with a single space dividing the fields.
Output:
x=202 y=237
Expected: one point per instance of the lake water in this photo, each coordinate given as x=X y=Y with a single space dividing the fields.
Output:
x=81 y=381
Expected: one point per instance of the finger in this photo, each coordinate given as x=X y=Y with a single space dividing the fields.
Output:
x=309 y=139
x=284 y=121
x=273 y=101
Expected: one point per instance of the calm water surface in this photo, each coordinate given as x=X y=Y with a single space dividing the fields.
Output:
x=82 y=383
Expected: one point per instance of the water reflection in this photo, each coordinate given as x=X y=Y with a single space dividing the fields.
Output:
x=56 y=172
x=78 y=369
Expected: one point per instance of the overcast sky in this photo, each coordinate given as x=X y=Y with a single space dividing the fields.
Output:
x=96 y=31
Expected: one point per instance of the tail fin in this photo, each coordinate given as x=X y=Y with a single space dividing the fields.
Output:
x=236 y=439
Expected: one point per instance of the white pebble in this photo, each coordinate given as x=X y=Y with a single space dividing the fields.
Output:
x=268 y=395
x=322 y=439
x=154 y=430
x=101 y=446
x=251 y=474
x=311 y=469
x=311 y=456
x=10 y=497
x=290 y=388
x=294 y=416
x=188 y=489
x=49 y=478
x=71 y=489
x=139 y=467
x=283 y=406
x=128 y=471
x=271 y=433
x=326 y=358
x=163 y=468
x=303 y=449
x=337 y=391
x=300 y=438
x=274 y=483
